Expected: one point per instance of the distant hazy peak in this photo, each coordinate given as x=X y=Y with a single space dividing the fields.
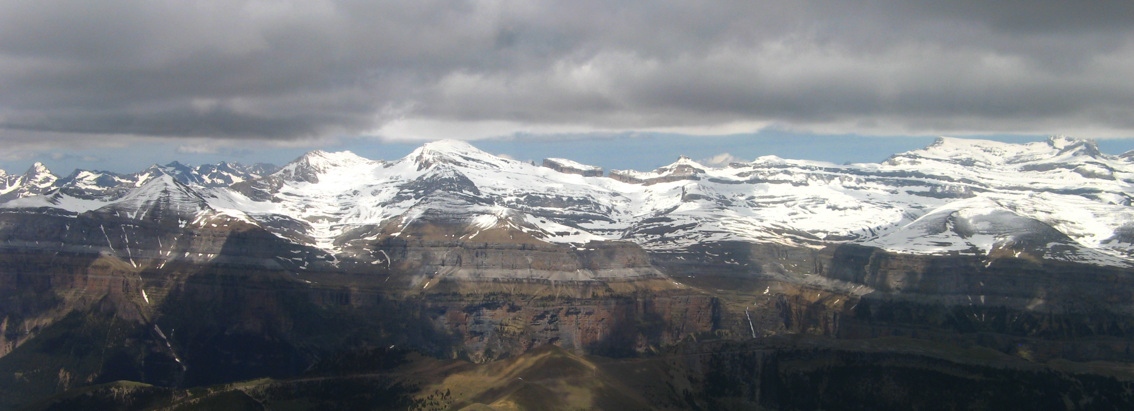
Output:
x=310 y=166
x=323 y=159
x=966 y=151
x=685 y=161
x=1083 y=147
x=37 y=169
x=450 y=146
x=39 y=176
x=319 y=157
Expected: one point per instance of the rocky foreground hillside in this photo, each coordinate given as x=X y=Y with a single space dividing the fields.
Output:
x=968 y=262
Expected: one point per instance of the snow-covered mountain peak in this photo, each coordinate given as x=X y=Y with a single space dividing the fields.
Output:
x=176 y=165
x=178 y=171
x=163 y=183
x=160 y=197
x=684 y=168
x=38 y=167
x=39 y=176
x=324 y=159
x=986 y=153
x=150 y=173
x=955 y=196
x=450 y=146
x=769 y=159
x=1060 y=141
x=963 y=151
x=91 y=181
x=454 y=152
x=310 y=166
x=685 y=161
x=1074 y=146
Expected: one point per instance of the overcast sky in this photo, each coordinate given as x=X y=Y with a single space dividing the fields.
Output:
x=97 y=84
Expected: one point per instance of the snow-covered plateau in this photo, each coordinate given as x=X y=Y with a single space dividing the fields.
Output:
x=1059 y=199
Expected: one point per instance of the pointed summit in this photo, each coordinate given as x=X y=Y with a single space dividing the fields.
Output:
x=38 y=177
x=150 y=173
x=177 y=165
x=183 y=173
x=8 y=182
x=37 y=168
x=684 y=168
x=685 y=164
x=162 y=198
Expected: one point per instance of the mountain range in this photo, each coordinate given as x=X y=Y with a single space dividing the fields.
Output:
x=1006 y=261
x=1059 y=199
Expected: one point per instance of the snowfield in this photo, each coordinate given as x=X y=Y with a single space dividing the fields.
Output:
x=1059 y=199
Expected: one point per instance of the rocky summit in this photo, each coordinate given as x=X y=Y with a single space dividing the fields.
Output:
x=776 y=283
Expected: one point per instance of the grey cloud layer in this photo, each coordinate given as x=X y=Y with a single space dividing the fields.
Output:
x=291 y=70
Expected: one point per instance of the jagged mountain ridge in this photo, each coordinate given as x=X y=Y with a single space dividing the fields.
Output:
x=454 y=252
x=955 y=196
x=106 y=186
x=36 y=180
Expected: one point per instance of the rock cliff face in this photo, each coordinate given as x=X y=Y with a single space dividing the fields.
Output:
x=612 y=326
x=775 y=373
x=1053 y=310
x=458 y=260
x=566 y=166
x=888 y=374
x=1022 y=282
x=199 y=304
x=454 y=253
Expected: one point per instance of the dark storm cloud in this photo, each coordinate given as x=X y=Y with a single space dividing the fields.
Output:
x=290 y=70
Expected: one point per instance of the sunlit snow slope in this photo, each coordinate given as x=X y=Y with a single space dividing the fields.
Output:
x=1059 y=199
